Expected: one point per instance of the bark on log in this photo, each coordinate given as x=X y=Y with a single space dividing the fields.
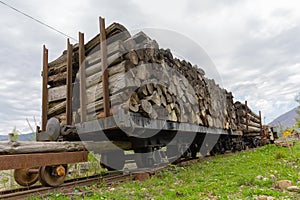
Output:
x=7 y=148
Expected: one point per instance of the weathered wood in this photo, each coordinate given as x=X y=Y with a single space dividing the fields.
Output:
x=57 y=93
x=155 y=98
x=39 y=147
x=250 y=123
x=111 y=31
x=164 y=87
x=115 y=99
x=254 y=119
x=146 y=106
x=112 y=59
x=45 y=147
x=133 y=57
x=95 y=78
x=95 y=92
x=250 y=128
x=113 y=48
x=57 y=109
x=59 y=61
x=59 y=79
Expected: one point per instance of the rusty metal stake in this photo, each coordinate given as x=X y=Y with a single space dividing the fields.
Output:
x=69 y=84
x=106 y=105
x=82 y=78
x=45 y=89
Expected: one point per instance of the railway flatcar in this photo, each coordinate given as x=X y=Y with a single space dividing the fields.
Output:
x=125 y=90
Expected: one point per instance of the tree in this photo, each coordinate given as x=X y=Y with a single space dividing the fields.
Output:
x=298 y=110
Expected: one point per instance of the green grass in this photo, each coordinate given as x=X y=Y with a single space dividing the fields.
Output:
x=220 y=177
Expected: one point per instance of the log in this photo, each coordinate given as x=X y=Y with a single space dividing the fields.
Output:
x=116 y=47
x=250 y=128
x=116 y=85
x=155 y=98
x=250 y=123
x=112 y=59
x=57 y=109
x=115 y=99
x=9 y=148
x=163 y=87
x=39 y=147
x=95 y=78
x=111 y=31
x=57 y=93
x=146 y=106
x=253 y=118
x=133 y=57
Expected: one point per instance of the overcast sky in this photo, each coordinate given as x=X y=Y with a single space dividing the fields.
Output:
x=254 y=44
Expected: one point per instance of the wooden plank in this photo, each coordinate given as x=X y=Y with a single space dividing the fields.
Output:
x=45 y=89
x=82 y=78
x=69 y=83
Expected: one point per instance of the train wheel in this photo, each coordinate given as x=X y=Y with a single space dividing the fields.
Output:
x=26 y=177
x=113 y=160
x=53 y=175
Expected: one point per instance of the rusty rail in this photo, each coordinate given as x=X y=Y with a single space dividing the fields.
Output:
x=67 y=187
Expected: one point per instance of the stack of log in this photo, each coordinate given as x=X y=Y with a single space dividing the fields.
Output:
x=57 y=71
x=143 y=79
x=149 y=81
x=247 y=120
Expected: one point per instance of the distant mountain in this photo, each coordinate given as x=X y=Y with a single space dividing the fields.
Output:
x=285 y=120
x=3 y=137
x=21 y=137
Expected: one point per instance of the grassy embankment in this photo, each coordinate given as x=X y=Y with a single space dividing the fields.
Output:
x=220 y=177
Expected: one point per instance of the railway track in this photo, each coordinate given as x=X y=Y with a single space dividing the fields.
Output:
x=112 y=177
x=68 y=187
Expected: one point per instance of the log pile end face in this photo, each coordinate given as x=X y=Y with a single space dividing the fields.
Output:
x=146 y=80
